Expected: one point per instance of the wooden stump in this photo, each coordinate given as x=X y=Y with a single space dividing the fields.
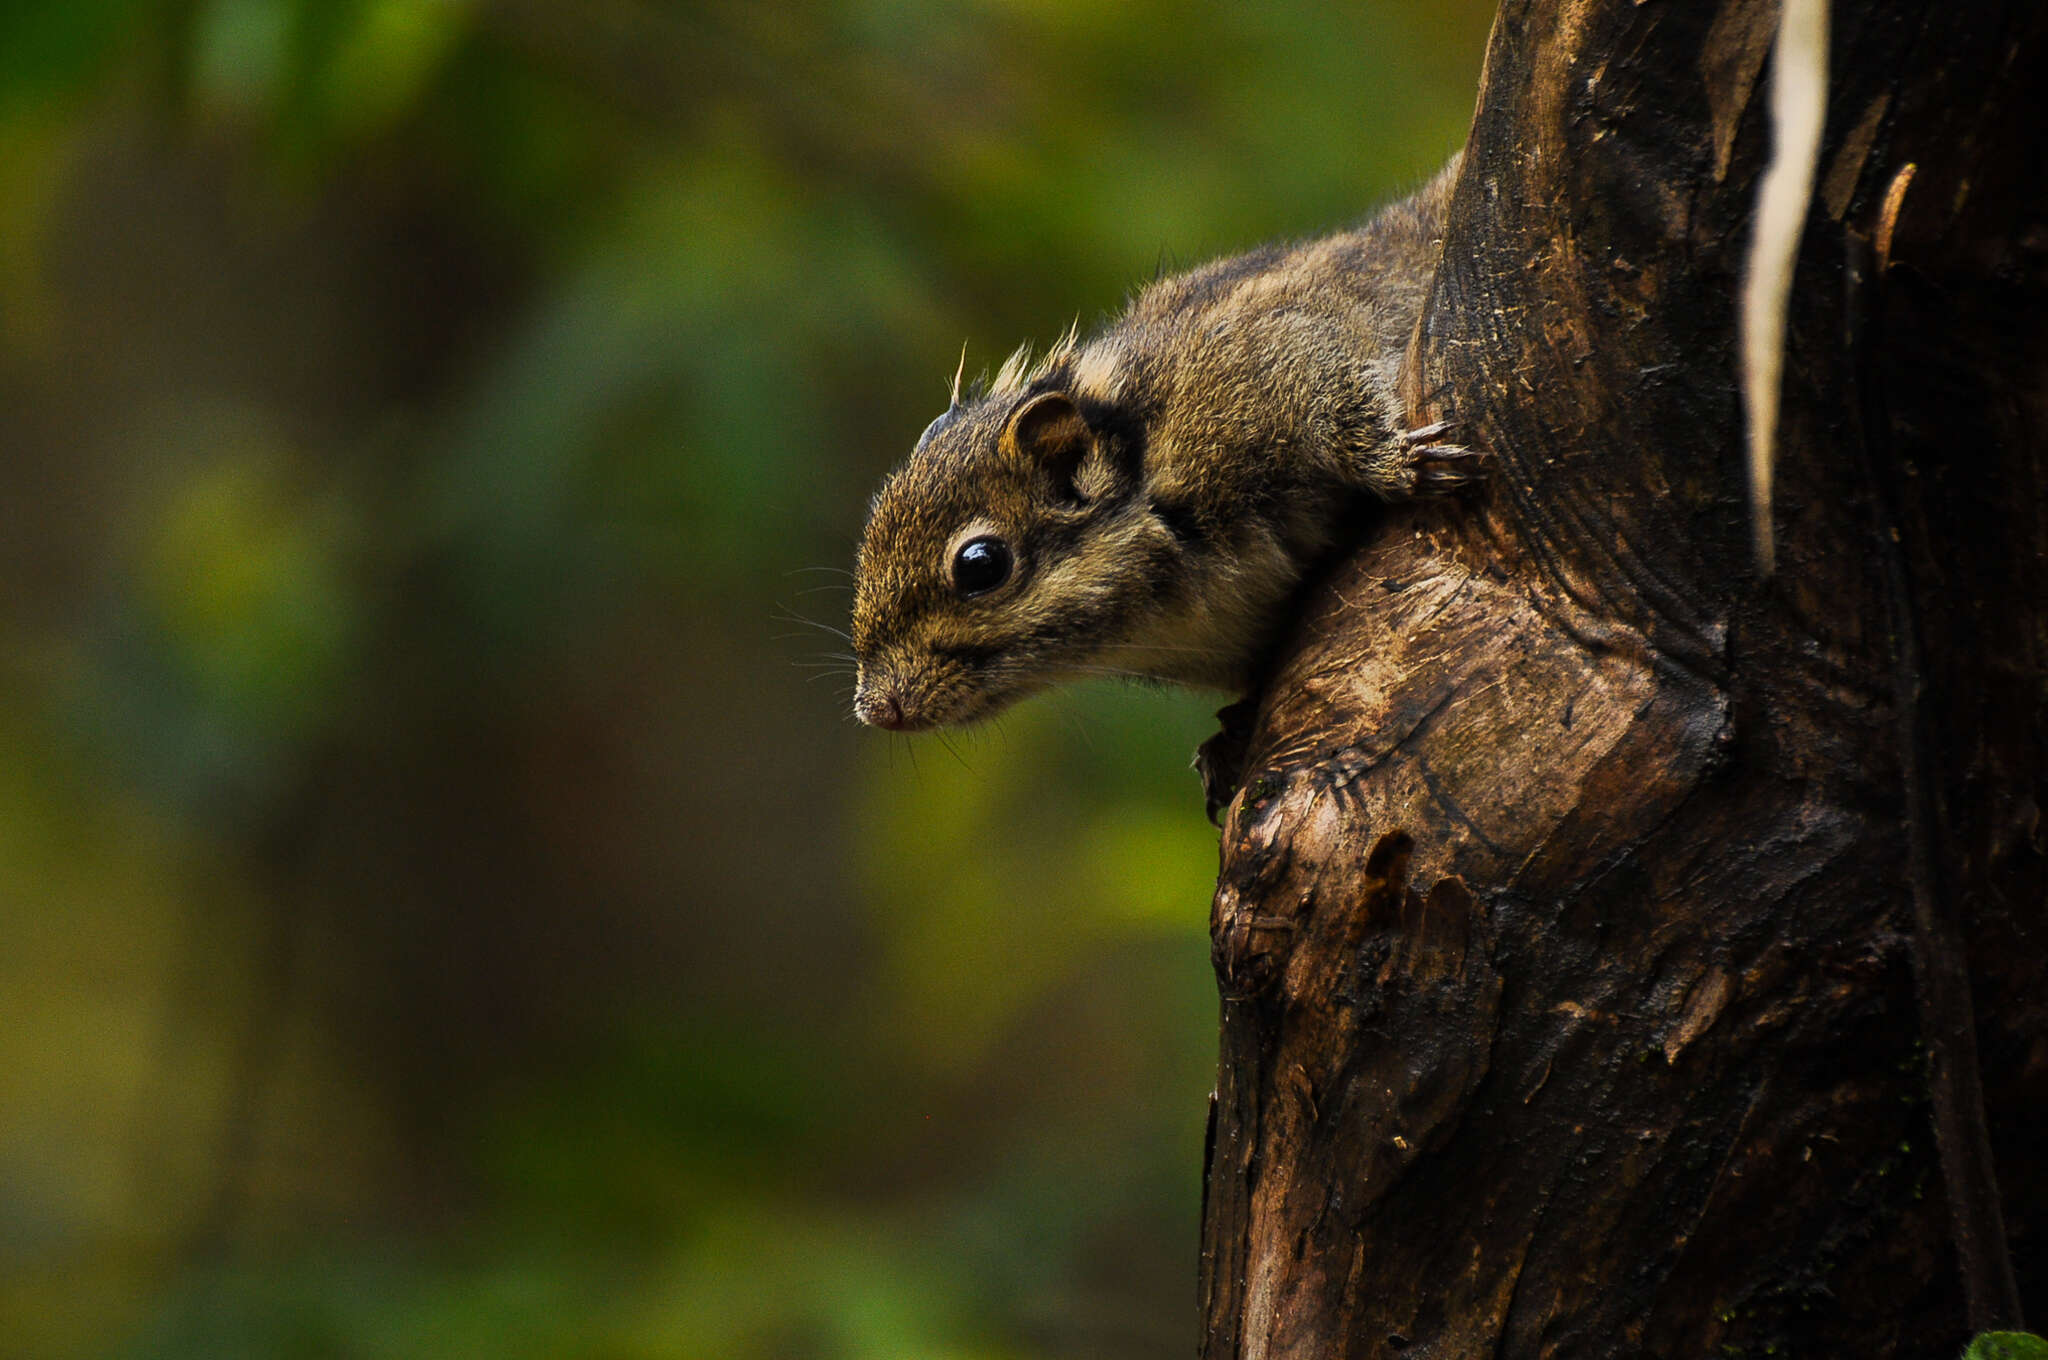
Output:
x=1611 y=940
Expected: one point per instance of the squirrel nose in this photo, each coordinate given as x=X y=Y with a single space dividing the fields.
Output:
x=879 y=710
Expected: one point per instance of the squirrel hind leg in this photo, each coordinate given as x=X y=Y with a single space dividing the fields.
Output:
x=1433 y=467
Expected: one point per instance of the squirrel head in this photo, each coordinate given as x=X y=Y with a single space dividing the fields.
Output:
x=1012 y=546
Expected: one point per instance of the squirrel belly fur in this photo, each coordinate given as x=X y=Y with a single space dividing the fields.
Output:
x=1145 y=500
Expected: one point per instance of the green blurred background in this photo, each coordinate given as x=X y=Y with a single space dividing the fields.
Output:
x=444 y=906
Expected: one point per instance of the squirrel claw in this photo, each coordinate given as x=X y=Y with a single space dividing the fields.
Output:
x=1422 y=434
x=1443 y=468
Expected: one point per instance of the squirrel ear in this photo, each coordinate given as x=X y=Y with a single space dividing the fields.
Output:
x=1049 y=432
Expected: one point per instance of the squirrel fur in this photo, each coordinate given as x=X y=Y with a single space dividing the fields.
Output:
x=1144 y=501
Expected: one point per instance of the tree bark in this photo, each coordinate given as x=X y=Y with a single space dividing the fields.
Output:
x=1622 y=953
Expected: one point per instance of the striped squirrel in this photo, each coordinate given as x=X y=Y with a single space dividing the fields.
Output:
x=1144 y=501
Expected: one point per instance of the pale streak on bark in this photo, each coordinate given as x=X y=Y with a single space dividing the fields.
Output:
x=1799 y=83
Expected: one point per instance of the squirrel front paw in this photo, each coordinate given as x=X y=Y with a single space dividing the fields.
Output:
x=1220 y=759
x=1440 y=469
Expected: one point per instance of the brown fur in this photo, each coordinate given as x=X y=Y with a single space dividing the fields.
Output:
x=1162 y=485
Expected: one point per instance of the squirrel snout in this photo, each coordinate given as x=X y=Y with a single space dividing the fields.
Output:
x=878 y=709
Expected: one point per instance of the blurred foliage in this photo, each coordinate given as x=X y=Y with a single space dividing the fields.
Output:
x=439 y=913
x=2006 y=1346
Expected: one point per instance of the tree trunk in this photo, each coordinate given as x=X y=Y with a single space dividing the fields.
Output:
x=1599 y=922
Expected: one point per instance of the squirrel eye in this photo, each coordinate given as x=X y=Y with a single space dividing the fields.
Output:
x=981 y=565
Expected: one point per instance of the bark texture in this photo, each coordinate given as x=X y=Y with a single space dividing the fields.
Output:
x=1600 y=926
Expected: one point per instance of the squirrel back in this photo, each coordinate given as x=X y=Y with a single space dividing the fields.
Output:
x=1143 y=501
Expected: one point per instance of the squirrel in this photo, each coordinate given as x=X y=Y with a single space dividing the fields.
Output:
x=1143 y=502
